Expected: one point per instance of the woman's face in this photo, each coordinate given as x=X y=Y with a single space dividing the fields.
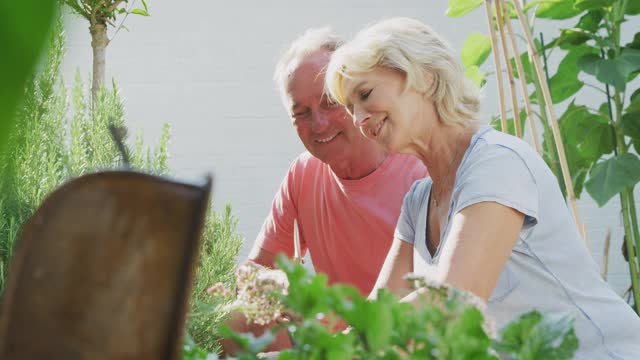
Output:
x=384 y=110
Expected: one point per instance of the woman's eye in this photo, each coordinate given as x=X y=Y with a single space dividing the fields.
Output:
x=365 y=95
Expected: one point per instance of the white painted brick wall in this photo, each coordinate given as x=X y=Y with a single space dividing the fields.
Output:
x=205 y=67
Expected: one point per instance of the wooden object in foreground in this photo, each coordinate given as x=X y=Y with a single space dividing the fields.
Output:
x=103 y=270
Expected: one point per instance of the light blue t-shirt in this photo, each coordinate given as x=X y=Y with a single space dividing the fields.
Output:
x=550 y=268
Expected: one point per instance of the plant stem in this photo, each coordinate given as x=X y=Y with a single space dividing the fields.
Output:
x=633 y=217
x=631 y=254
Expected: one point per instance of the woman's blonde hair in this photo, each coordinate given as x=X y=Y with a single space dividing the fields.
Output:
x=409 y=46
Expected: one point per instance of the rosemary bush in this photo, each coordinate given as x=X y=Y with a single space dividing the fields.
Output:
x=55 y=139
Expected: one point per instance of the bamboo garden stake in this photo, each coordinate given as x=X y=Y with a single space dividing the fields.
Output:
x=297 y=251
x=605 y=256
x=523 y=81
x=507 y=65
x=535 y=58
x=496 y=58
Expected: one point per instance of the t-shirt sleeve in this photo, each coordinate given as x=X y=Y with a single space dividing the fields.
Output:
x=405 y=229
x=276 y=234
x=498 y=174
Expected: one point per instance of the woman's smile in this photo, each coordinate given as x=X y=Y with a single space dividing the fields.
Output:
x=372 y=131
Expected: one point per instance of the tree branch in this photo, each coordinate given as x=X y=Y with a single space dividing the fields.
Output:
x=79 y=10
x=123 y=19
x=94 y=11
x=114 y=6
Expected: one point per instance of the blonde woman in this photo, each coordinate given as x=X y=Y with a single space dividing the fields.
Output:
x=491 y=218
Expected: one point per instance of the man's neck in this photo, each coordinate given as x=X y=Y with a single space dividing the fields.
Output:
x=358 y=166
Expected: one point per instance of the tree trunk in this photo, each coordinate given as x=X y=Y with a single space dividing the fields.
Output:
x=99 y=42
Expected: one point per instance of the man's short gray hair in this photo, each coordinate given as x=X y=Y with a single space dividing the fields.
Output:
x=310 y=42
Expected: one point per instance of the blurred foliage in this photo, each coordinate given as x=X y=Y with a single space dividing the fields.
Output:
x=445 y=323
x=24 y=27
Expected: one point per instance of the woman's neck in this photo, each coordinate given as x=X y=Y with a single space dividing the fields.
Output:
x=441 y=149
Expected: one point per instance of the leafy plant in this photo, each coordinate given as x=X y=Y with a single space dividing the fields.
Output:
x=43 y=154
x=598 y=139
x=447 y=324
x=218 y=254
x=46 y=149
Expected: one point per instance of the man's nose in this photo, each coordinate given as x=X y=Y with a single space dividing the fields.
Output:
x=320 y=121
x=360 y=116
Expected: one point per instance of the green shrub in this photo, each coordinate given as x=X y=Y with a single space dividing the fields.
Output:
x=218 y=254
x=45 y=149
x=50 y=144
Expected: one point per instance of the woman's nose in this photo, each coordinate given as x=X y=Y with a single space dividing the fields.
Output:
x=360 y=116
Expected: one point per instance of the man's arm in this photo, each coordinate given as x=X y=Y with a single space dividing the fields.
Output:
x=262 y=257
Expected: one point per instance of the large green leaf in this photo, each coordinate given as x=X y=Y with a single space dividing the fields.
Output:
x=24 y=29
x=611 y=176
x=631 y=126
x=633 y=7
x=591 y=21
x=571 y=37
x=557 y=9
x=631 y=120
x=586 y=137
x=592 y=4
x=526 y=67
x=476 y=49
x=466 y=338
x=379 y=325
x=635 y=43
x=140 y=12
x=533 y=336
x=614 y=72
x=565 y=82
x=457 y=8
x=589 y=133
x=474 y=74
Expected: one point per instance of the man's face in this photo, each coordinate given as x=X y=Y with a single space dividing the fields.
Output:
x=325 y=127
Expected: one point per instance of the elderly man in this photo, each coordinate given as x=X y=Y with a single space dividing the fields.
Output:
x=345 y=193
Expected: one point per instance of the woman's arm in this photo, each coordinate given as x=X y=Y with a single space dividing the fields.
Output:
x=399 y=262
x=478 y=246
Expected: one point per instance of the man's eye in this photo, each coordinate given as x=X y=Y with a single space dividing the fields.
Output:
x=328 y=104
x=365 y=95
x=300 y=114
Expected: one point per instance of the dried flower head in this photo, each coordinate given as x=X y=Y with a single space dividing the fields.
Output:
x=254 y=295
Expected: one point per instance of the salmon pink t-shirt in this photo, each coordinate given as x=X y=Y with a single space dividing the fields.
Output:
x=346 y=225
